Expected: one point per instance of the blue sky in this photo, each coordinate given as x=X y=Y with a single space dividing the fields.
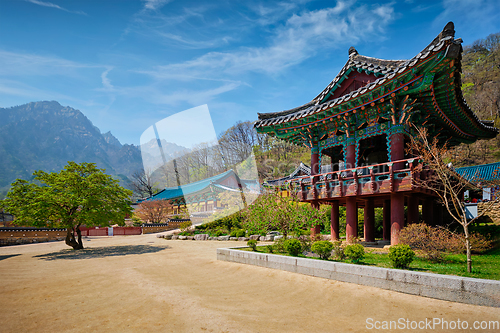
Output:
x=128 y=64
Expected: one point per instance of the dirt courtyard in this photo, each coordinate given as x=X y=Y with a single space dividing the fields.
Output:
x=148 y=284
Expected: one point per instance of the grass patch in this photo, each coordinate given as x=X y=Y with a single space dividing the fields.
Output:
x=484 y=266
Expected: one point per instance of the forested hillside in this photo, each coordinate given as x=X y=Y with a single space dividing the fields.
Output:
x=481 y=89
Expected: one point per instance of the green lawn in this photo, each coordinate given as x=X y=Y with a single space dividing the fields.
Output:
x=484 y=266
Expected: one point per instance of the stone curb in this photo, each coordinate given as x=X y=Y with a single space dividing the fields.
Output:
x=444 y=287
x=206 y=237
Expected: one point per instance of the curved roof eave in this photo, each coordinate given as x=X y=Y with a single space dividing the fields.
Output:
x=394 y=67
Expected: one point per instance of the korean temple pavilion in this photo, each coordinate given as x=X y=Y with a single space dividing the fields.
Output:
x=359 y=124
x=202 y=198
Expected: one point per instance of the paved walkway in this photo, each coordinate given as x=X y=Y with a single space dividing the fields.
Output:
x=148 y=284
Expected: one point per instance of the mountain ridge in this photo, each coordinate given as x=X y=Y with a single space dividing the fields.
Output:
x=46 y=135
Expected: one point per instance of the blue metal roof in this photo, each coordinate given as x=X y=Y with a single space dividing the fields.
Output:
x=483 y=172
x=179 y=191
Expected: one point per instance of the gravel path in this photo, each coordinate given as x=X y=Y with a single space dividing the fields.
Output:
x=147 y=284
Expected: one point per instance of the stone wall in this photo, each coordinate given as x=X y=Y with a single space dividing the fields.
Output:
x=153 y=228
x=12 y=237
x=445 y=287
x=146 y=229
x=494 y=214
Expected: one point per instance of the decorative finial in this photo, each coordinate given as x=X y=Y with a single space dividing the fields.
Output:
x=352 y=51
x=448 y=30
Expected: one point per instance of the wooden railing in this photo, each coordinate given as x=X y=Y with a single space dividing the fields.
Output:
x=386 y=177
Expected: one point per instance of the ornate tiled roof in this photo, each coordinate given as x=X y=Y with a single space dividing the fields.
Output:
x=302 y=168
x=180 y=191
x=386 y=71
x=485 y=172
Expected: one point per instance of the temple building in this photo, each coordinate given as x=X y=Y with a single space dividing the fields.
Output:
x=207 y=196
x=359 y=125
x=301 y=170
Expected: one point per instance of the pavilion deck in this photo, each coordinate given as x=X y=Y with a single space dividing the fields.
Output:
x=372 y=180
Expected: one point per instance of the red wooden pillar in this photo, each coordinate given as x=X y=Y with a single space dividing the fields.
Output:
x=387 y=220
x=369 y=226
x=314 y=161
x=350 y=154
x=397 y=200
x=412 y=212
x=351 y=212
x=397 y=150
x=397 y=216
x=334 y=221
x=314 y=171
x=351 y=207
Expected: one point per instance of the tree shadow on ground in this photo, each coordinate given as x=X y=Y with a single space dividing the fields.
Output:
x=101 y=252
x=7 y=256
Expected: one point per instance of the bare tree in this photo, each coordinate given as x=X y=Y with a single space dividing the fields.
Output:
x=154 y=211
x=447 y=184
x=238 y=141
x=143 y=184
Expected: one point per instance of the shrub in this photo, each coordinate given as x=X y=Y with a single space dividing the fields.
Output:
x=185 y=226
x=353 y=240
x=354 y=252
x=269 y=248
x=401 y=255
x=322 y=248
x=227 y=222
x=136 y=222
x=305 y=242
x=293 y=247
x=479 y=243
x=279 y=246
x=433 y=242
x=219 y=232
x=338 y=250
x=237 y=233
x=252 y=243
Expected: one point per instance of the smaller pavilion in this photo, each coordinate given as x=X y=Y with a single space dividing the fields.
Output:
x=486 y=175
x=203 y=197
x=301 y=170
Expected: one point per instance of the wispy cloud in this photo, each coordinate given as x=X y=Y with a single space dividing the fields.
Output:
x=53 y=5
x=154 y=4
x=106 y=83
x=20 y=64
x=20 y=89
x=474 y=14
x=187 y=29
x=302 y=36
x=191 y=97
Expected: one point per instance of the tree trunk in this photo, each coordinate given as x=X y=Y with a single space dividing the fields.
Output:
x=79 y=233
x=467 y=245
x=70 y=238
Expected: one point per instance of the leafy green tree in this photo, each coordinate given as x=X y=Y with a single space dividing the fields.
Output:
x=80 y=194
x=285 y=214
